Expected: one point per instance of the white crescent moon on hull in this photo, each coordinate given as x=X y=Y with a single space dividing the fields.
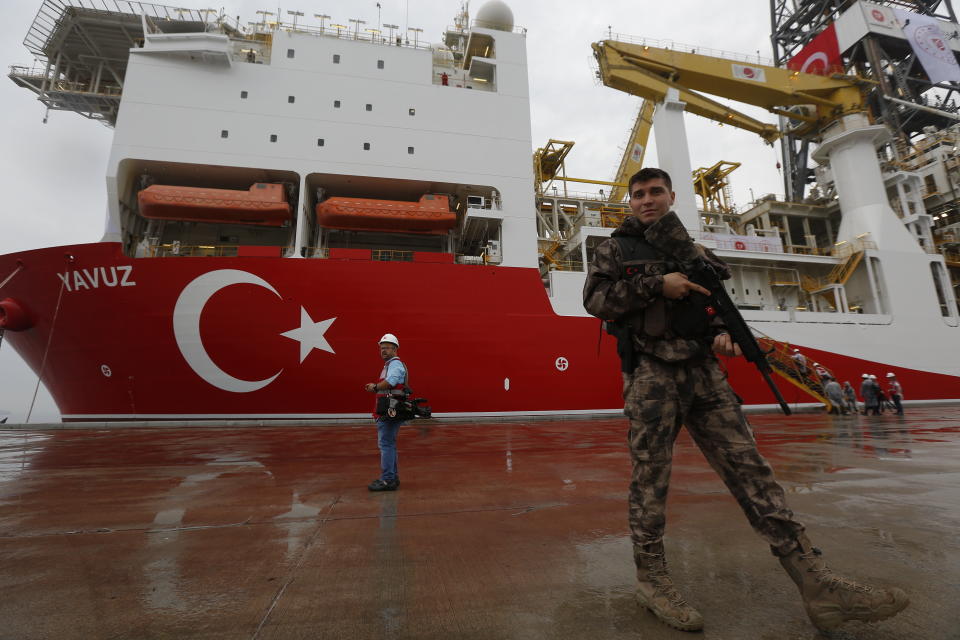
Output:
x=186 y=327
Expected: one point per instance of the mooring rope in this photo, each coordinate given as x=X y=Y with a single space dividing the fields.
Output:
x=43 y=363
x=10 y=277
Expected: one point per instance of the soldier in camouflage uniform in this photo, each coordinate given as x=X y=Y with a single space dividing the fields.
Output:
x=671 y=378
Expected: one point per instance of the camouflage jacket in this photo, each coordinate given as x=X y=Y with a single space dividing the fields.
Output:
x=637 y=299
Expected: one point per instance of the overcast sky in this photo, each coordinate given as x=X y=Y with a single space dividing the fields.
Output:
x=52 y=175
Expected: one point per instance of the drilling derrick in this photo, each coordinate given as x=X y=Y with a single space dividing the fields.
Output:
x=871 y=43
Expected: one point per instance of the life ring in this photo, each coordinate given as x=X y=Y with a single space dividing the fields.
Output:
x=13 y=316
x=739 y=245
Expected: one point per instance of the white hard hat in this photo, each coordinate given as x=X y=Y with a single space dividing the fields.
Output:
x=815 y=363
x=865 y=376
x=890 y=375
x=389 y=337
x=873 y=377
x=796 y=350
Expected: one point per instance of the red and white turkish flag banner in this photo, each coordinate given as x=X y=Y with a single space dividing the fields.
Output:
x=821 y=55
x=931 y=46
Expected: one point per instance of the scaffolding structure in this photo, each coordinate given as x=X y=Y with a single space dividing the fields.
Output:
x=81 y=49
x=888 y=61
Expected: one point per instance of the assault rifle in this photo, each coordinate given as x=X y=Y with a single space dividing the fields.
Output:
x=669 y=235
x=704 y=274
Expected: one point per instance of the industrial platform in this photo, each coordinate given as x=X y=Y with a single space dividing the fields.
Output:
x=500 y=530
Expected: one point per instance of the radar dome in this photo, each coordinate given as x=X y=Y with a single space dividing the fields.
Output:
x=495 y=14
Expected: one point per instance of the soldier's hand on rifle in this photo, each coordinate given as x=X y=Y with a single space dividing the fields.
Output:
x=725 y=346
x=676 y=285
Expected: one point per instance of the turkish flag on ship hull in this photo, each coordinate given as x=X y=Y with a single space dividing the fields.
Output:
x=821 y=56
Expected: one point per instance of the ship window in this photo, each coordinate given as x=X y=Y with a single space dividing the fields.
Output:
x=224 y=133
x=291 y=99
x=939 y=281
x=336 y=104
x=320 y=142
x=336 y=58
x=369 y=107
x=243 y=95
x=366 y=146
x=410 y=150
x=273 y=137
x=379 y=64
x=413 y=111
x=881 y=286
x=289 y=53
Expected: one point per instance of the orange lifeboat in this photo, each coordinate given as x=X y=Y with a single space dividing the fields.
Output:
x=430 y=215
x=263 y=204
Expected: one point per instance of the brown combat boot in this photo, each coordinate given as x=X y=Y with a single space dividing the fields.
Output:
x=657 y=593
x=831 y=600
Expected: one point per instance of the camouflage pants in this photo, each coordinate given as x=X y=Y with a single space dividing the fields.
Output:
x=659 y=398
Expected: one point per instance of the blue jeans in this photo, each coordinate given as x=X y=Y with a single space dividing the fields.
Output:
x=387 y=441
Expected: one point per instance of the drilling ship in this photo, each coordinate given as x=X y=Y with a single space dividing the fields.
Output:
x=280 y=195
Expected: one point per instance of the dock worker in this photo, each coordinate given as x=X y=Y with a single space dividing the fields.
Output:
x=822 y=372
x=871 y=400
x=636 y=283
x=850 y=396
x=393 y=378
x=895 y=392
x=882 y=400
x=834 y=394
x=801 y=361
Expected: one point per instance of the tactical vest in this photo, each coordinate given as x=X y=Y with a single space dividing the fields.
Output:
x=688 y=318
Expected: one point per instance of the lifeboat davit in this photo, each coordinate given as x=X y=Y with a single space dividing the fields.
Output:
x=263 y=204
x=430 y=215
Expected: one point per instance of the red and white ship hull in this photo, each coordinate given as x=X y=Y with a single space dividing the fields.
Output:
x=141 y=339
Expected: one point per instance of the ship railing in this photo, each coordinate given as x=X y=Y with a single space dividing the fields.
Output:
x=52 y=11
x=314 y=252
x=566 y=265
x=689 y=48
x=375 y=36
x=391 y=255
x=476 y=23
x=560 y=193
x=780 y=356
x=41 y=72
x=173 y=250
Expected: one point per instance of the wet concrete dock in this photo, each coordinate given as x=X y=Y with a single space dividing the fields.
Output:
x=500 y=530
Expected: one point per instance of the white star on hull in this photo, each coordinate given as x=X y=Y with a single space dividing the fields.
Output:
x=310 y=334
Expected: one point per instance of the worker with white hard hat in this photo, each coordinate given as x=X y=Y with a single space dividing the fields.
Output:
x=896 y=392
x=801 y=361
x=392 y=382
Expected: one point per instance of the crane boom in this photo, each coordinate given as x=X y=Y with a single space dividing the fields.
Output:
x=632 y=159
x=650 y=72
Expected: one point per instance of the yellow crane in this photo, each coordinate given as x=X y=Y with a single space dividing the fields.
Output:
x=548 y=165
x=632 y=160
x=711 y=184
x=811 y=101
